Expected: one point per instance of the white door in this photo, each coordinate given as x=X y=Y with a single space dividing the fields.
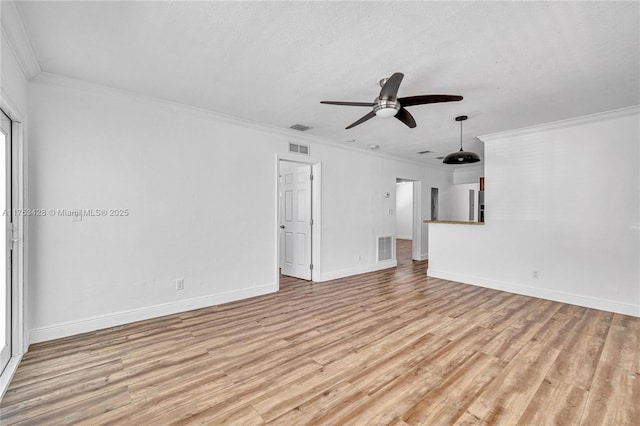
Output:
x=295 y=222
x=5 y=241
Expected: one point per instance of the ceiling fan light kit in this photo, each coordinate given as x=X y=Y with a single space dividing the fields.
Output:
x=386 y=108
x=461 y=157
x=387 y=104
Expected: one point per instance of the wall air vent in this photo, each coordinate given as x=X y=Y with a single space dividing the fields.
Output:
x=298 y=149
x=425 y=152
x=300 y=127
x=385 y=248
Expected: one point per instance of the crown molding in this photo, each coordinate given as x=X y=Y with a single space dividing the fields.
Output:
x=561 y=124
x=14 y=32
x=293 y=136
x=9 y=106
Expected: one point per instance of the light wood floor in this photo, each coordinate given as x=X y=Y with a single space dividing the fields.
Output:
x=391 y=347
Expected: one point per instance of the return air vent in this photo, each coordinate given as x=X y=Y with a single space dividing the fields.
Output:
x=299 y=149
x=300 y=127
x=385 y=248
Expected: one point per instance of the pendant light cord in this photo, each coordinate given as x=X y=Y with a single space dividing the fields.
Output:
x=460 y=135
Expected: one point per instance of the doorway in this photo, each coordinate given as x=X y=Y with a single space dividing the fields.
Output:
x=298 y=219
x=5 y=240
x=408 y=226
x=12 y=259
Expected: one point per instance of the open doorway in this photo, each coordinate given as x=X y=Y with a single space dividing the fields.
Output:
x=5 y=241
x=298 y=219
x=408 y=220
x=12 y=322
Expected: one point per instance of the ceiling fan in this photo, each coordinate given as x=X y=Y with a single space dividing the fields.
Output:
x=387 y=104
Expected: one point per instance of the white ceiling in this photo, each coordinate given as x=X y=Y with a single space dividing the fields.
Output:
x=516 y=63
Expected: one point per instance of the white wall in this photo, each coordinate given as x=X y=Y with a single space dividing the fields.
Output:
x=13 y=82
x=454 y=202
x=562 y=199
x=13 y=101
x=15 y=53
x=404 y=210
x=468 y=174
x=201 y=192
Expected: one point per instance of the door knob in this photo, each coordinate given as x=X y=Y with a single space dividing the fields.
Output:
x=281 y=226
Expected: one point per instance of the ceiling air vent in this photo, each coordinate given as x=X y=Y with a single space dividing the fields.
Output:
x=425 y=152
x=300 y=127
x=298 y=149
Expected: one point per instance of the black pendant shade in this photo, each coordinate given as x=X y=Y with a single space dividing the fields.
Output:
x=461 y=157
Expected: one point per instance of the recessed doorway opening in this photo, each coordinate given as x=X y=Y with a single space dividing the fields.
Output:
x=408 y=226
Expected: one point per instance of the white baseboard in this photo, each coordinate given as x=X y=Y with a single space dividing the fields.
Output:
x=423 y=256
x=328 y=276
x=71 y=328
x=556 y=296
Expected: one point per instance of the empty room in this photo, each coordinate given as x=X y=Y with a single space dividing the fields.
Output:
x=322 y=213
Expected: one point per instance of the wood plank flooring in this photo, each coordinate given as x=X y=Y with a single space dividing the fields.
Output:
x=392 y=347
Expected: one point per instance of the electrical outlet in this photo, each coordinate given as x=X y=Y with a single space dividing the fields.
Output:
x=180 y=284
x=535 y=274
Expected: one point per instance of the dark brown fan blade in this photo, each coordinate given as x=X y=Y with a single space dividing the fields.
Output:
x=390 y=89
x=371 y=114
x=404 y=116
x=368 y=104
x=427 y=99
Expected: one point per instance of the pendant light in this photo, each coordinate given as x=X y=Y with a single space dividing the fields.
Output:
x=461 y=157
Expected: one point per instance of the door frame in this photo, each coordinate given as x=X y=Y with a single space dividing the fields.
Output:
x=417 y=224
x=316 y=200
x=19 y=326
x=7 y=241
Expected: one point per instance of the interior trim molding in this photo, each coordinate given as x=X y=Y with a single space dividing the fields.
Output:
x=570 y=122
x=556 y=296
x=8 y=373
x=18 y=40
x=293 y=136
x=334 y=275
x=99 y=322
